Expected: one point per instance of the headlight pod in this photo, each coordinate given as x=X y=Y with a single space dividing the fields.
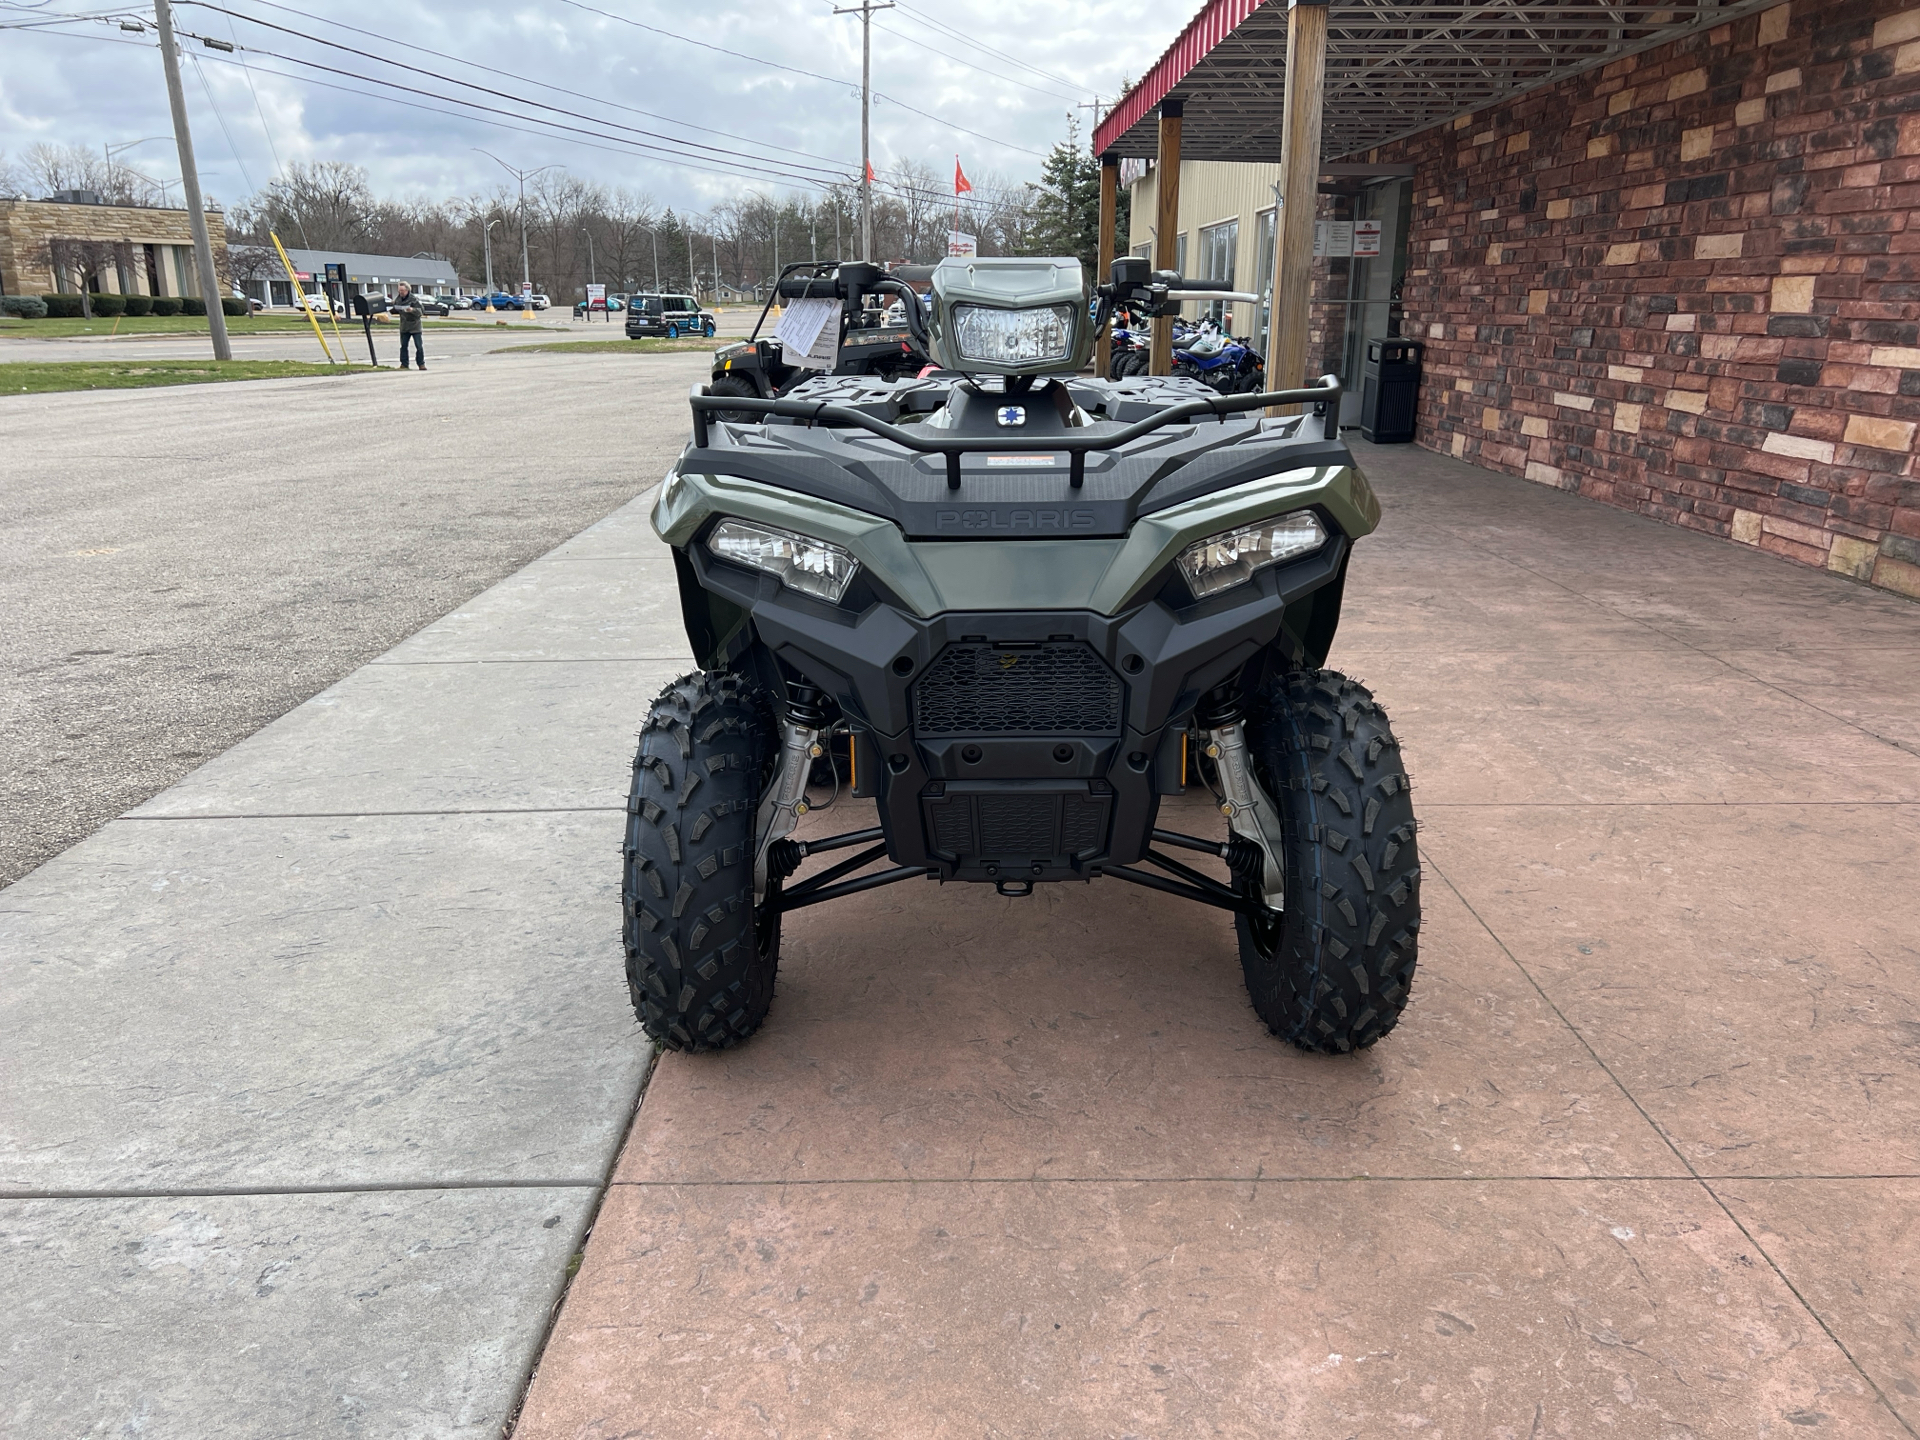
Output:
x=992 y=336
x=813 y=567
x=1232 y=558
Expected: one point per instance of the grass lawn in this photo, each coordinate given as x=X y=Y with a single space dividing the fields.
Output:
x=16 y=329
x=648 y=346
x=39 y=379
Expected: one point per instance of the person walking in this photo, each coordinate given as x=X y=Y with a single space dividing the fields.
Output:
x=408 y=309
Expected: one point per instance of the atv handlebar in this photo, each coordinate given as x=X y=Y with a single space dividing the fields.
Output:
x=849 y=282
x=1324 y=397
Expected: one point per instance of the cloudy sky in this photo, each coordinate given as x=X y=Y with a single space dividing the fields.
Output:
x=784 y=104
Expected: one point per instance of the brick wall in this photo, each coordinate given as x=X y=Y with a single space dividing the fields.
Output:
x=26 y=227
x=1687 y=285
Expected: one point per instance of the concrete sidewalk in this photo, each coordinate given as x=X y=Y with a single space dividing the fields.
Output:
x=317 y=1063
x=1640 y=1160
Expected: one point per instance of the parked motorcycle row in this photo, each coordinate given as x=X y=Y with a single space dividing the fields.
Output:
x=1201 y=351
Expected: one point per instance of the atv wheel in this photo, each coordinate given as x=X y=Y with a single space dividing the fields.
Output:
x=1332 y=974
x=736 y=385
x=700 y=956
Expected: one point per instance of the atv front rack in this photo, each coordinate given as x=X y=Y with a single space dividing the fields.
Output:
x=1324 y=397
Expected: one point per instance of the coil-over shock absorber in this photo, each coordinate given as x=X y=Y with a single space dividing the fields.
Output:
x=803 y=719
x=1251 y=815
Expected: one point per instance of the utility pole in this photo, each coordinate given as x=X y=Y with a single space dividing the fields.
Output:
x=190 y=185
x=655 y=235
x=865 y=11
x=715 y=238
x=693 y=276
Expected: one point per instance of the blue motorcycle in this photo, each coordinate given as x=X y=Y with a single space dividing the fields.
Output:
x=1207 y=354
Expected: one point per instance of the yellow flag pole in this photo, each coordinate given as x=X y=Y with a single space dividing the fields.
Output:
x=294 y=280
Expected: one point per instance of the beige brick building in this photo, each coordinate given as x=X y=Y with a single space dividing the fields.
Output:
x=48 y=246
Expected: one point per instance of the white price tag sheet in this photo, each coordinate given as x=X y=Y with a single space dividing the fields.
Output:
x=809 y=332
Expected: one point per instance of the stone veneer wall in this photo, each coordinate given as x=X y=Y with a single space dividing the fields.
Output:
x=1687 y=284
x=27 y=225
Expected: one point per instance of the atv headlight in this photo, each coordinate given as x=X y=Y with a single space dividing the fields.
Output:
x=1013 y=337
x=1221 y=562
x=812 y=567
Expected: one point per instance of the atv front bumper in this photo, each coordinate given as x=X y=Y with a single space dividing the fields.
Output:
x=1012 y=745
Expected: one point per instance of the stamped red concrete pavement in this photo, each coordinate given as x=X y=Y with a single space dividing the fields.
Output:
x=1032 y=1167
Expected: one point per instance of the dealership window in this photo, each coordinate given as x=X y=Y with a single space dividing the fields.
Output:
x=1218 y=247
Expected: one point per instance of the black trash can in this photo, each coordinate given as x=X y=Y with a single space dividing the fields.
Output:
x=1390 y=390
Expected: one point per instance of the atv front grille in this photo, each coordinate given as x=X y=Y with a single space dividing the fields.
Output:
x=1058 y=688
x=1012 y=821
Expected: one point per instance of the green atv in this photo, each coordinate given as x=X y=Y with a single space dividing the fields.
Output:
x=1016 y=607
x=757 y=368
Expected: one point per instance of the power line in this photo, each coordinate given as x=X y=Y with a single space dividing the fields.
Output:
x=738 y=161
x=717 y=152
x=962 y=37
x=742 y=168
x=619 y=145
x=941 y=27
x=546 y=85
x=953 y=59
x=792 y=70
x=214 y=106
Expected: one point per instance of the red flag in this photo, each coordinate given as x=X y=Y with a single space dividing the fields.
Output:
x=961 y=185
x=869 y=172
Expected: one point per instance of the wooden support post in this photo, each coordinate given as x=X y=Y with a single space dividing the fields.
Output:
x=1166 y=194
x=1109 y=243
x=1300 y=180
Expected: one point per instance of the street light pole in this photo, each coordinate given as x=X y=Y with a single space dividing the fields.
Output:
x=526 y=272
x=865 y=11
x=486 y=243
x=593 y=277
x=654 y=235
x=190 y=185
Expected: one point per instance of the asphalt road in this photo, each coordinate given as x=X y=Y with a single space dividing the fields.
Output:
x=454 y=338
x=180 y=566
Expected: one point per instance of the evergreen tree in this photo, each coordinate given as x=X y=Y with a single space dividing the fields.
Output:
x=1064 y=208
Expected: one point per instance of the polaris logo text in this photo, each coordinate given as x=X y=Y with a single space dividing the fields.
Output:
x=1060 y=521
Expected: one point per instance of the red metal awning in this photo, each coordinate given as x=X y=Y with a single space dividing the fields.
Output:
x=1216 y=20
x=1394 y=67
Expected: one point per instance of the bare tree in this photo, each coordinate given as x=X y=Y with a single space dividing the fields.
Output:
x=49 y=169
x=627 y=223
x=327 y=205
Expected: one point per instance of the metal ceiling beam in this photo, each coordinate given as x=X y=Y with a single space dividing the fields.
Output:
x=1395 y=69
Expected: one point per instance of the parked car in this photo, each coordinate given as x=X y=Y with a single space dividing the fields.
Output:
x=614 y=306
x=668 y=315
x=461 y=302
x=434 y=305
x=316 y=303
x=540 y=301
x=499 y=300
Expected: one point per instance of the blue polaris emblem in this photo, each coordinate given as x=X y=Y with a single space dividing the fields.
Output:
x=1012 y=415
